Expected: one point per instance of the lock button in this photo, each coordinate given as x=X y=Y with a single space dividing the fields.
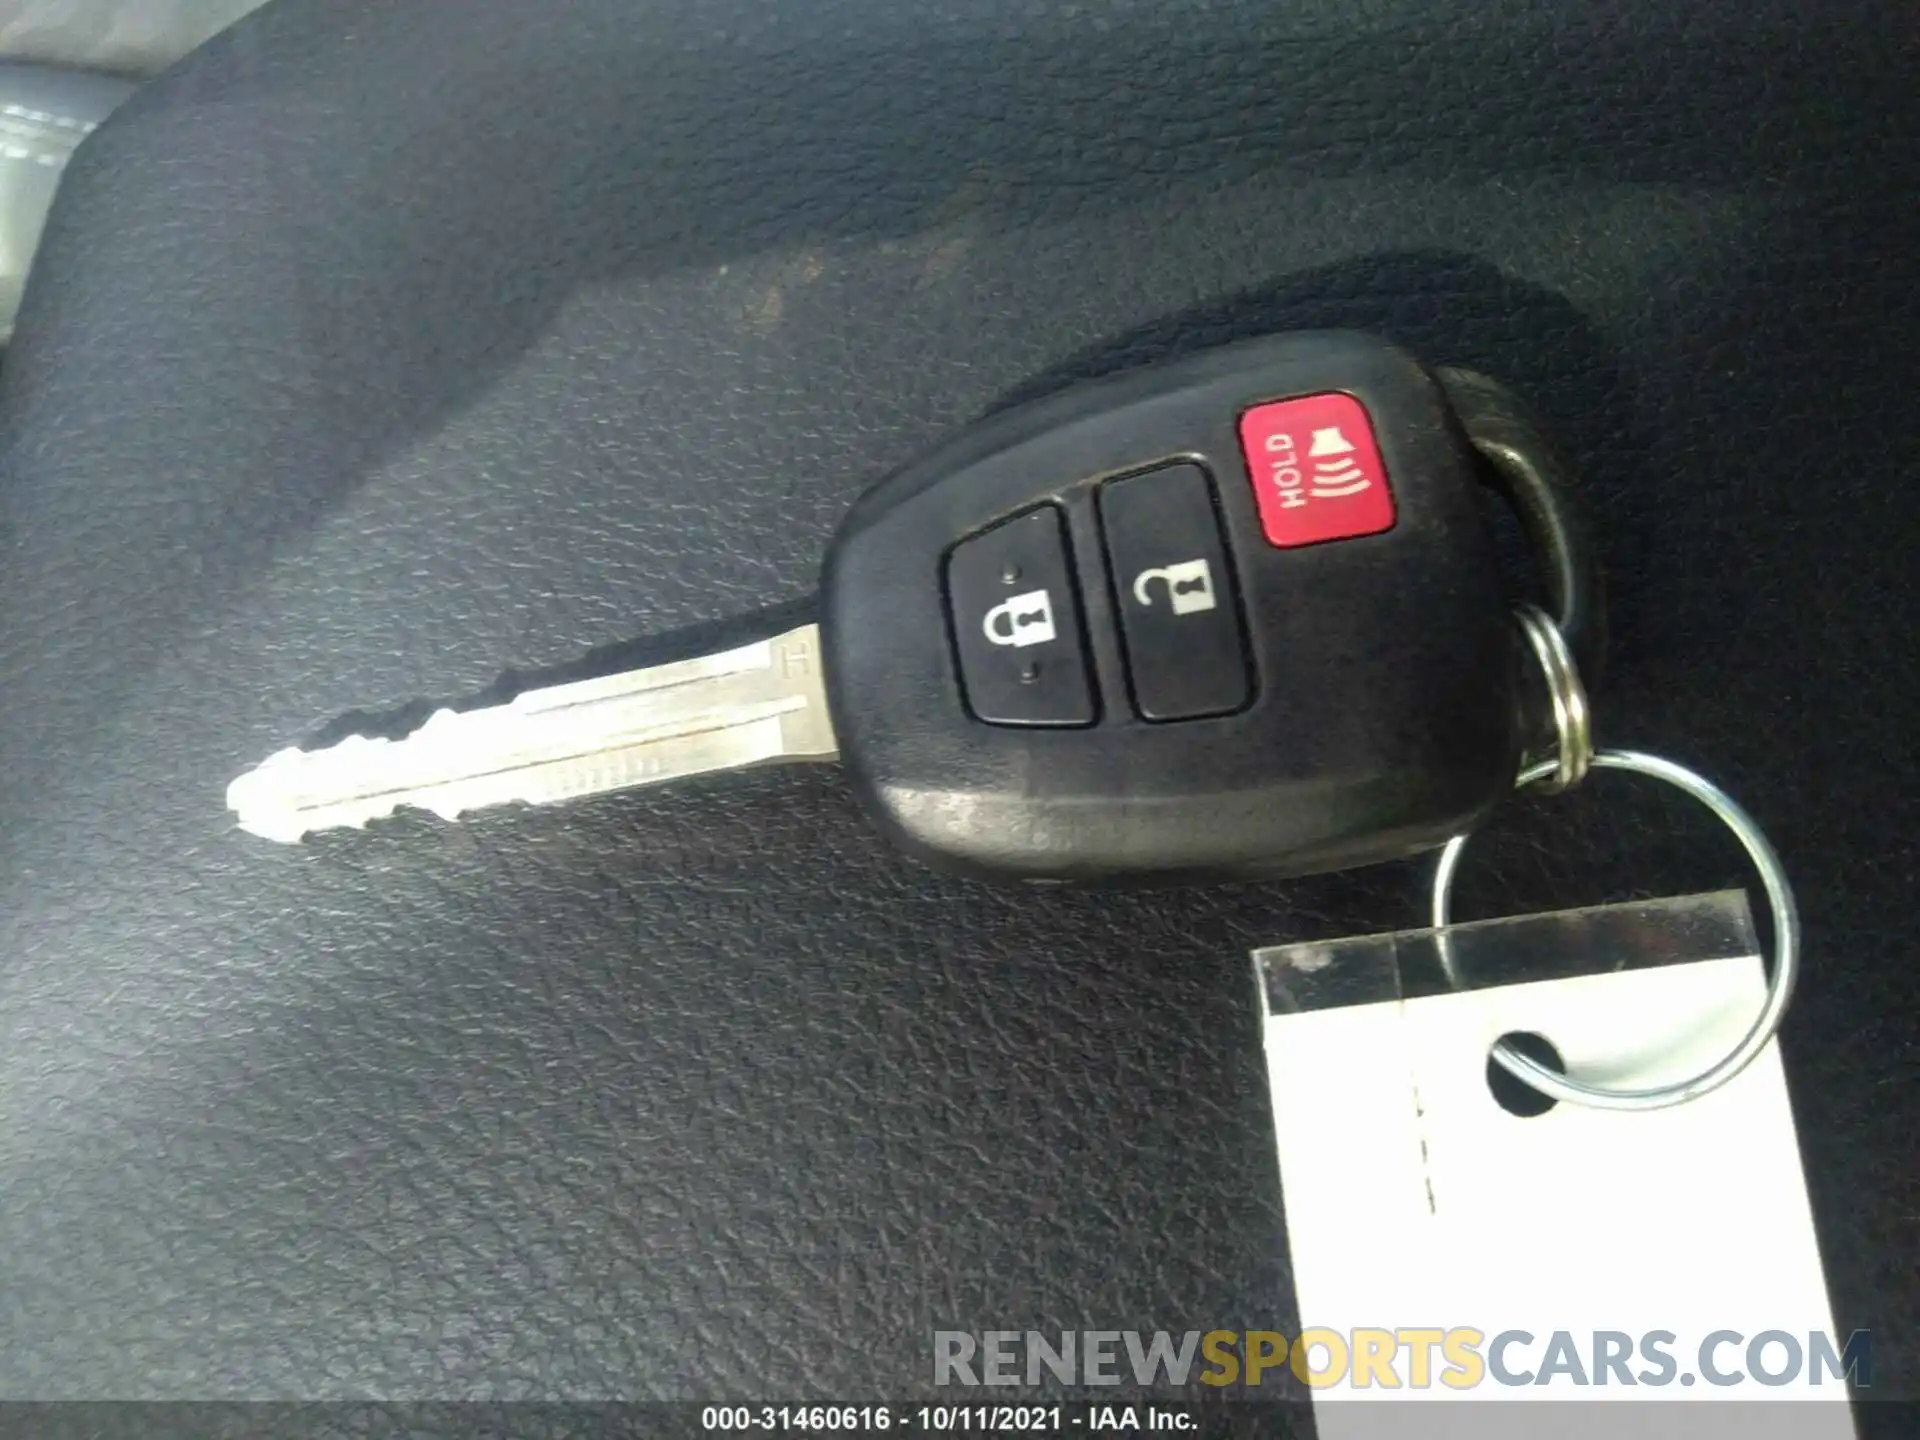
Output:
x=1173 y=586
x=1017 y=626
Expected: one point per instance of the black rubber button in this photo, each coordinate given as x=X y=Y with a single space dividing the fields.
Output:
x=1017 y=624
x=1173 y=589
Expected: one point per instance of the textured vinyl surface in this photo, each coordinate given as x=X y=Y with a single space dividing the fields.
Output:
x=377 y=349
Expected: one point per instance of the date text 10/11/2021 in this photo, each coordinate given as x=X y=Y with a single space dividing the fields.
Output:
x=988 y=1419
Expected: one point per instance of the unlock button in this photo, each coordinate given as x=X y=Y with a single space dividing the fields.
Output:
x=1179 y=618
x=1189 y=587
x=1017 y=626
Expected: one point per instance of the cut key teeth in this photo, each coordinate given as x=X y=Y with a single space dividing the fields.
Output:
x=752 y=705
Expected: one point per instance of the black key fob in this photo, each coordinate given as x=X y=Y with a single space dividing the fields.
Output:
x=1234 y=615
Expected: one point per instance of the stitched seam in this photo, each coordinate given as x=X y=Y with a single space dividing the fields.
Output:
x=48 y=117
x=17 y=142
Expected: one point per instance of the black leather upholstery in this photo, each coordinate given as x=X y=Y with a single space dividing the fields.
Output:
x=377 y=348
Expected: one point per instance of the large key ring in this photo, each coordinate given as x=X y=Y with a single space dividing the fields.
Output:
x=1786 y=918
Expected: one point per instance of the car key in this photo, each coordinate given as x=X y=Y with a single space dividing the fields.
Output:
x=1233 y=614
x=744 y=706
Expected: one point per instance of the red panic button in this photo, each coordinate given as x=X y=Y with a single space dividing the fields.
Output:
x=1316 y=470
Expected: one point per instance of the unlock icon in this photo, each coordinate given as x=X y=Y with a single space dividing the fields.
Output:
x=1189 y=586
x=1024 y=620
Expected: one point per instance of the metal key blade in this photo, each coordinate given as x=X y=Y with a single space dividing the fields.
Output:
x=748 y=706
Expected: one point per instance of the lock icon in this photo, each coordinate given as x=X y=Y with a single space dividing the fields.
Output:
x=1028 y=620
x=1189 y=586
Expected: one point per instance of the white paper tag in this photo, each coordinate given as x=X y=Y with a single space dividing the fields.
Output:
x=1665 y=1255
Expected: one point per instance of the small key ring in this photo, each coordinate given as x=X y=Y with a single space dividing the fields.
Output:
x=1786 y=943
x=1572 y=716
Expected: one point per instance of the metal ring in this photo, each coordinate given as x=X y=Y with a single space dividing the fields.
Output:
x=1786 y=944
x=1572 y=717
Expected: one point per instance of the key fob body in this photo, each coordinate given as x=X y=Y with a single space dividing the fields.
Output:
x=1233 y=615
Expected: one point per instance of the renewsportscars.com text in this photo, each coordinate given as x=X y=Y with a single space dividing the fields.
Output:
x=1458 y=1358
